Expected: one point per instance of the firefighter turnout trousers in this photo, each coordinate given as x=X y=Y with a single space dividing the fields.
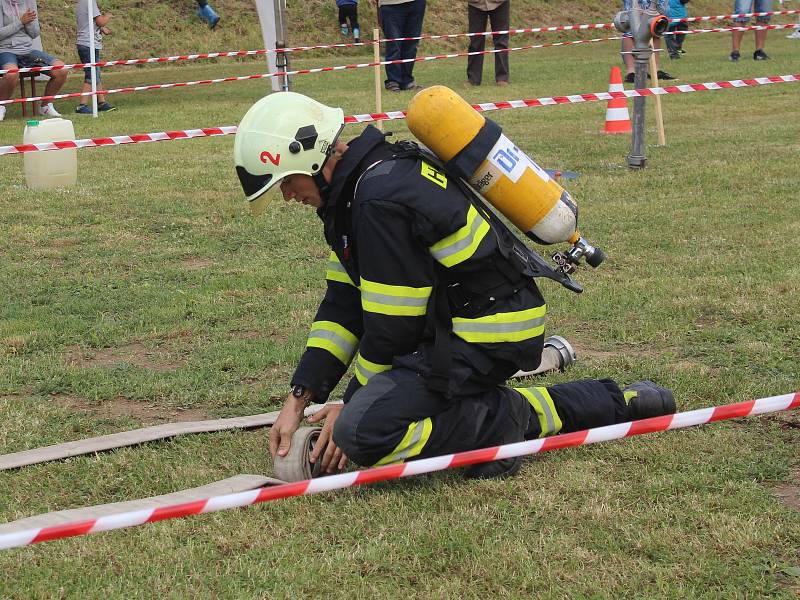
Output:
x=396 y=417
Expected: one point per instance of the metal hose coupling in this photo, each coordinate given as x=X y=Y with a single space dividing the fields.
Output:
x=568 y=261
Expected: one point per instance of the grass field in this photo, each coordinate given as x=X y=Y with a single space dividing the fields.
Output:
x=147 y=293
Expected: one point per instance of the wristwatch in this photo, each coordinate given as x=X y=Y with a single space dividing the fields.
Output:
x=302 y=393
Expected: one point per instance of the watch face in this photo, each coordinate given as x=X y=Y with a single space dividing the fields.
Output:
x=298 y=391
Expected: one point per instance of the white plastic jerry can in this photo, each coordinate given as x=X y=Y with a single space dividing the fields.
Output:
x=53 y=168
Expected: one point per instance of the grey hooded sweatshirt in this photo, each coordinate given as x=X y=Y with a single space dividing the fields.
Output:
x=14 y=36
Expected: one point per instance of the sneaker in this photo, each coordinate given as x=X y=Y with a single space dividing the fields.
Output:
x=502 y=82
x=760 y=55
x=645 y=399
x=664 y=76
x=795 y=35
x=674 y=56
x=392 y=86
x=413 y=87
x=2 y=112
x=630 y=77
x=48 y=110
x=735 y=56
x=83 y=109
x=106 y=107
x=681 y=50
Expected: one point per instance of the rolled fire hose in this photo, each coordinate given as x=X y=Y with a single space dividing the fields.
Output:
x=296 y=465
x=557 y=355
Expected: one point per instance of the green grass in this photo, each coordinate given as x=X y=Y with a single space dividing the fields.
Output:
x=153 y=262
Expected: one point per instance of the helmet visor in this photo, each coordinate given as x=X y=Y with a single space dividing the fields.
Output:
x=259 y=189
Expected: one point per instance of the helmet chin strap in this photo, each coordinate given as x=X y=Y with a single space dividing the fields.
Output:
x=324 y=186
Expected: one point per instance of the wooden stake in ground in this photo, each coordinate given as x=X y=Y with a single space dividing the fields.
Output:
x=376 y=49
x=662 y=140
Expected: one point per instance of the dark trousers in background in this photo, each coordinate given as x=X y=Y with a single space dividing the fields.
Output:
x=499 y=19
x=349 y=12
x=401 y=20
x=675 y=42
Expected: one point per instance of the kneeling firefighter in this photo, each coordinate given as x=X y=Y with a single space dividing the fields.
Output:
x=425 y=293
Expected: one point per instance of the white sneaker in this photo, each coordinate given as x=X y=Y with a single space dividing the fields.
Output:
x=48 y=110
x=795 y=35
x=2 y=112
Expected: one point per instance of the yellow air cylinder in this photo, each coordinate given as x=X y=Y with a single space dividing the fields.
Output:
x=513 y=183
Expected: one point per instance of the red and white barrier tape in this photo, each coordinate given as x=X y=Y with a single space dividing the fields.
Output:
x=239 y=53
x=417 y=467
x=140 y=138
x=732 y=28
x=163 y=86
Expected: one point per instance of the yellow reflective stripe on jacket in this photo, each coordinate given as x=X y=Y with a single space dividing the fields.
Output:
x=334 y=338
x=412 y=443
x=461 y=245
x=398 y=300
x=542 y=403
x=365 y=369
x=336 y=271
x=502 y=327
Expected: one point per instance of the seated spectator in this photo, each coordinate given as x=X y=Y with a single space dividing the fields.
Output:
x=19 y=25
x=85 y=30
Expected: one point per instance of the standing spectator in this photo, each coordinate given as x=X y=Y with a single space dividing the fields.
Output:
x=627 y=40
x=497 y=12
x=401 y=19
x=749 y=6
x=677 y=10
x=87 y=28
x=19 y=26
x=348 y=10
x=207 y=14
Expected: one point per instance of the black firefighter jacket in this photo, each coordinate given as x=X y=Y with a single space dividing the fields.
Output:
x=397 y=229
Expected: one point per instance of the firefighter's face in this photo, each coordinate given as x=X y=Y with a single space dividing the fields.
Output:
x=301 y=188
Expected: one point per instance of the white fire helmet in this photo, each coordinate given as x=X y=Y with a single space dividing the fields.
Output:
x=283 y=134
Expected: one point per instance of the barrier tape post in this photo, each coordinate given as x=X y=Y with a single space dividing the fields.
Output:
x=427 y=465
x=376 y=55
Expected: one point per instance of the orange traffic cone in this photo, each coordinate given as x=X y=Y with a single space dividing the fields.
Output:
x=617 y=118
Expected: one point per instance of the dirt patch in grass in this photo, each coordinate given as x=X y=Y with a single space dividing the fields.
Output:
x=146 y=412
x=134 y=354
x=585 y=352
x=197 y=263
x=789 y=493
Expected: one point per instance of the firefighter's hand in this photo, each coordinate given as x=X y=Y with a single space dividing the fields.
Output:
x=333 y=459
x=280 y=436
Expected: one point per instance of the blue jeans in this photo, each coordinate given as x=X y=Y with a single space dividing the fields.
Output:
x=401 y=20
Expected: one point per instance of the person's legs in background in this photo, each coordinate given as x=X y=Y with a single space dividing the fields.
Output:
x=102 y=106
x=499 y=19
x=477 y=23
x=414 y=16
x=207 y=14
x=392 y=20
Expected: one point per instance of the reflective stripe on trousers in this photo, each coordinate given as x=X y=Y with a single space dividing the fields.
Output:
x=412 y=443
x=539 y=398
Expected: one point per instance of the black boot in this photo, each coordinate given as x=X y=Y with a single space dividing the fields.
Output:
x=646 y=399
x=519 y=413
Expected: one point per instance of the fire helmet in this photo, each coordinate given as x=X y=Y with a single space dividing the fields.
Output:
x=283 y=134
